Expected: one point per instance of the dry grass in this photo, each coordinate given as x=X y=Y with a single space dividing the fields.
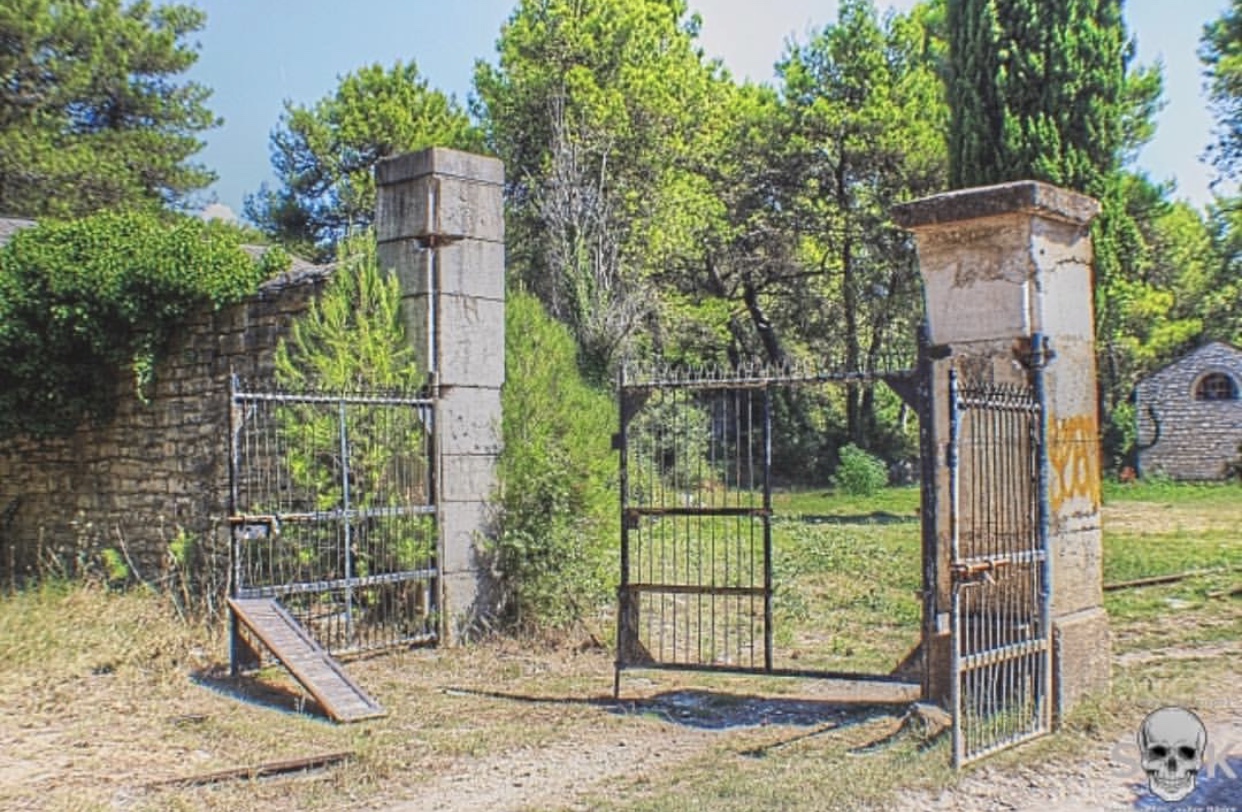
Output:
x=106 y=692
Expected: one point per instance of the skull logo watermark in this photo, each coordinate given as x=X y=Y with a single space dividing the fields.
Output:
x=1171 y=744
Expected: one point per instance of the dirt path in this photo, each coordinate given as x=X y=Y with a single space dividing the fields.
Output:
x=1104 y=777
x=552 y=776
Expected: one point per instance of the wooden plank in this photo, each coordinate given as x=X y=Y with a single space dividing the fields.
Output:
x=305 y=659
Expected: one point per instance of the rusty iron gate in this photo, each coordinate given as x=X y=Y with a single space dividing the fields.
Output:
x=696 y=485
x=333 y=513
x=999 y=565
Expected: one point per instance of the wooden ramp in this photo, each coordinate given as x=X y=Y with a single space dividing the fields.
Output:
x=313 y=667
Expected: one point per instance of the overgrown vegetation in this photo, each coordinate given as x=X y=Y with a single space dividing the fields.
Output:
x=557 y=500
x=352 y=338
x=84 y=302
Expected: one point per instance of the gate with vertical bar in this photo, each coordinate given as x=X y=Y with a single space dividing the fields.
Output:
x=333 y=514
x=999 y=564
x=696 y=484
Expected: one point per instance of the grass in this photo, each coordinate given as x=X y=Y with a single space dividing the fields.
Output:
x=107 y=691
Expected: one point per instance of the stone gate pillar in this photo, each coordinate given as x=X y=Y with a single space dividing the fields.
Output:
x=440 y=228
x=1000 y=264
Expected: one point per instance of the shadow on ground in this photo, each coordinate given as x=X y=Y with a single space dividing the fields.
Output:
x=713 y=710
x=254 y=691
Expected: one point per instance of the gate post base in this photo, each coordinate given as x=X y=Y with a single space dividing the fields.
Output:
x=1081 y=658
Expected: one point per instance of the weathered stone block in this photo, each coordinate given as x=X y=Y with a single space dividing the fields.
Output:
x=467 y=477
x=463 y=526
x=448 y=208
x=465 y=268
x=439 y=161
x=1081 y=657
x=1077 y=571
x=469 y=344
x=470 y=421
x=466 y=605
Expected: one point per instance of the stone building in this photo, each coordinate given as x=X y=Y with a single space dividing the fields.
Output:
x=1189 y=415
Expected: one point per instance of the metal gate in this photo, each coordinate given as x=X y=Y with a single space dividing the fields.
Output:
x=696 y=484
x=333 y=513
x=999 y=567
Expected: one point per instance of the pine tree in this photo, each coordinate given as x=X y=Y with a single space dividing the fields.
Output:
x=95 y=111
x=1037 y=91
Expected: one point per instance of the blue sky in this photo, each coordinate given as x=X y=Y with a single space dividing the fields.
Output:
x=255 y=54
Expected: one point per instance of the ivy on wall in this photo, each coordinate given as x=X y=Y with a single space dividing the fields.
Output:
x=85 y=302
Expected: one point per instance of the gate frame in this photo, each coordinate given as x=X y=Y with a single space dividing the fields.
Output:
x=1040 y=720
x=426 y=404
x=911 y=384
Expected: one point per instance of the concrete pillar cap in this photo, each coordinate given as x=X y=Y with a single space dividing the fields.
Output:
x=1030 y=196
x=439 y=161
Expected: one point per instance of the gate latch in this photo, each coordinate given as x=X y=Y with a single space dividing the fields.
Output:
x=977 y=571
x=257 y=527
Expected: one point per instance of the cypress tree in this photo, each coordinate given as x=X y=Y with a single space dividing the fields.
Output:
x=1036 y=91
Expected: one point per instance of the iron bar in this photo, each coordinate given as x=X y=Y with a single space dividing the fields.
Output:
x=333 y=399
x=362 y=581
x=623 y=594
x=768 y=580
x=955 y=648
x=1039 y=361
x=693 y=589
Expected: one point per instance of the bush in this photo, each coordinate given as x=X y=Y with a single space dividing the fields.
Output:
x=859 y=473
x=557 y=496
x=83 y=302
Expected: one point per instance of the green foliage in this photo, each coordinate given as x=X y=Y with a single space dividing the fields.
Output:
x=352 y=337
x=1036 y=88
x=82 y=301
x=866 y=122
x=859 y=473
x=92 y=112
x=353 y=340
x=557 y=497
x=325 y=155
x=114 y=567
x=592 y=106
x=1221 y=53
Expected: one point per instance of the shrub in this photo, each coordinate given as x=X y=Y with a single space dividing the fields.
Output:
x=558 y=503
x=859 y=473
x=82 y=302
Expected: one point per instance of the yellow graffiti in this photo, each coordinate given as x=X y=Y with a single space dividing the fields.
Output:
x=1074 y=455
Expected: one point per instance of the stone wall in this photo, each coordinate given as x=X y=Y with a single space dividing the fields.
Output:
x=1196 y=438
x=156 y=468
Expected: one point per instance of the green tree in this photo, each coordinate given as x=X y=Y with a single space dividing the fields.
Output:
x=93 y=111
x=352 y=340
x=557 y=497
x=1221 y=53
x=324 y=155
x=1036 y=89
x=867 y=122
x=591 y=106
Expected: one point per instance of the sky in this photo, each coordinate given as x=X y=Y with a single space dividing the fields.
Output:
x=257 y=54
